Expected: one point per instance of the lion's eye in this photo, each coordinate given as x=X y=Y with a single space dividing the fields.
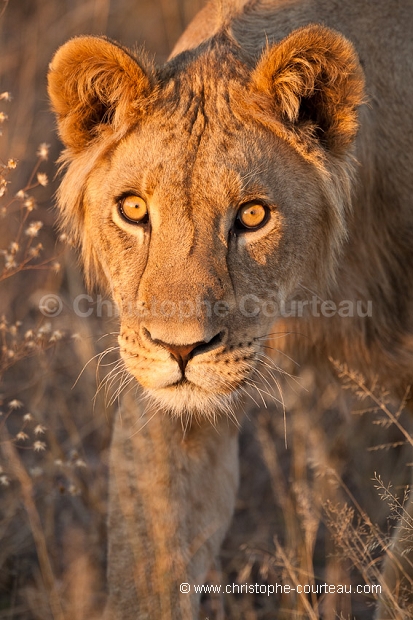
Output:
x=251 y=216
x=134 y=209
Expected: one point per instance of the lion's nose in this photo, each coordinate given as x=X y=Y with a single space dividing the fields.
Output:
x=183 y=353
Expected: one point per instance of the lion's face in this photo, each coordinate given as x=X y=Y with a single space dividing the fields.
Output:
x=205 y=221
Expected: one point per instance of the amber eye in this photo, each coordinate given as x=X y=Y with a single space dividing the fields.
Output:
x=251 y=216
x=134 y=209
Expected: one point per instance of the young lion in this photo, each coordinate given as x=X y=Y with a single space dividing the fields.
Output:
x=270 y=158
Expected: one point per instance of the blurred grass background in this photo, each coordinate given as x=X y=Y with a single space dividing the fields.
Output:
x=52 y=500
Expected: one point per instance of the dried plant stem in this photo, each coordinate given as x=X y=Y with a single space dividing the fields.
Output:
x=360 y=384
x=373 y=528
x=6 y=2
x=311 y=614
x=26 y=485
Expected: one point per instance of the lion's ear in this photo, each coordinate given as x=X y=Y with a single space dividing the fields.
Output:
x=314 y=77
x=93 y=82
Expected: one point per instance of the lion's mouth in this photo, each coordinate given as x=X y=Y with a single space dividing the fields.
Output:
x=187 y=398
x=183 y=381
x=212 y=374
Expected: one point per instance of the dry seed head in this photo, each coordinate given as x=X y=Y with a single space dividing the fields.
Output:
x=42 y=178
x=57 y=335
x=43 y=151
x=33 y=229
x=5 y=96
x=39 y=429
x=10 y=263
x=34 y=252
x=15 y=404
x=3 y=187
x=22 y=436
x=12 y=163
x=45 y=329
x=30 y=203
x=4 y=481
x=3 y=117
x=39 y=446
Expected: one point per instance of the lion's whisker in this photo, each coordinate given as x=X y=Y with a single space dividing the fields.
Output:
x=267 y=346
x=99 y=356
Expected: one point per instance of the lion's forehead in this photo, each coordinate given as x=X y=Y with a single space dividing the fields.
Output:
x=195 y=139
x=198 y=105
x=200 y=163
x=194 y=173
x=196 y=113
x=210 y=78
x=194 y=153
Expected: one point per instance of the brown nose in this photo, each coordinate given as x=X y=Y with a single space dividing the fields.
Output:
x=183 y=353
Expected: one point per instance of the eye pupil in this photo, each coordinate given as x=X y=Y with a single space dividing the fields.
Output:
x=252 y=216
x=134 y=209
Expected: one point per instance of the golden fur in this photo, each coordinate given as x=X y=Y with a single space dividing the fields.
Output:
x=258 y=103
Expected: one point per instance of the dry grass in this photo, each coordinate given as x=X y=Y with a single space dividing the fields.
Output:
x=309 y=513
x=318 y=507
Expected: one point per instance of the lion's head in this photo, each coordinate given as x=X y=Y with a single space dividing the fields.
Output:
x=204 y=189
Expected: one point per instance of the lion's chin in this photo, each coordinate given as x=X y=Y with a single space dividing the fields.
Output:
x=187 y=399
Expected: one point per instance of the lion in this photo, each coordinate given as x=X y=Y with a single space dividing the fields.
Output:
x=268 y=160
